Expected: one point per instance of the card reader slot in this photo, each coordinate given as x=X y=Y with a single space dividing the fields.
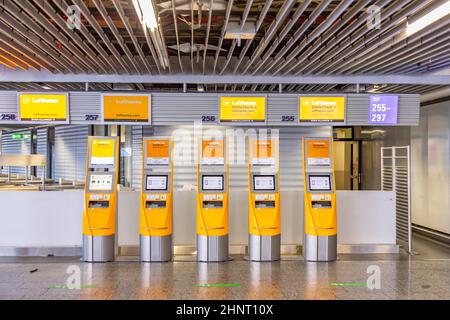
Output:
x=264 y=204
x=321 y=204
x=212 y=204
x=155 y=204
x=98 y=204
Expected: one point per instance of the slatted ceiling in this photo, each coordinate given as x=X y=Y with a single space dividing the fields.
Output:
x=282 y=105
x=136 y=156
x=16 y=146
x=176 y=108
x=185 y=175
x=70 y=152
x=83 y=104
x=8 y=103
x=41 y=146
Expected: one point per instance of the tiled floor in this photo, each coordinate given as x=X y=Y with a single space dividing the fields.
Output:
x=402 y=277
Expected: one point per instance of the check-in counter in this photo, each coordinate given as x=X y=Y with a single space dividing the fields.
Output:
x=49 y=222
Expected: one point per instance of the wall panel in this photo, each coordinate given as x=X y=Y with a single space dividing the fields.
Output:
x=430 y=168
x=41 y=146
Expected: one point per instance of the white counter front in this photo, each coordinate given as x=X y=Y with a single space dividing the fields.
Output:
x=53 y=218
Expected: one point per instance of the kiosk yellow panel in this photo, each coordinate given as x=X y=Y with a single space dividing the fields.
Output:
x=262 y=148
x=320 y=195
x=213 y=149
x=99 y=216
x=102 y=151
x=212 y=195
x=158 y=148
x=157 y=191
x=264 y=195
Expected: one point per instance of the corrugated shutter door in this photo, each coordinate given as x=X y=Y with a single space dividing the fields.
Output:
x=136 y=154
x=357 y=109
x=282 y=105
x=83 y=104
x=16 y=146
x=175 y=109
x=70 y=151
x=408 y=110
x=8 y=103
x=41 y=146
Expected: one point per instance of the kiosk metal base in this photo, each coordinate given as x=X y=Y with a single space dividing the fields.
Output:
x=156 y=249
x=98 y=248
x=264 y=248
x=320 y=248
x=212 y=248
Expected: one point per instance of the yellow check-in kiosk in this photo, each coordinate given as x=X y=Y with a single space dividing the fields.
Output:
x=212 y=200
x=264 y=199
x=320 y=241
x=156 y=200
x=100 y=200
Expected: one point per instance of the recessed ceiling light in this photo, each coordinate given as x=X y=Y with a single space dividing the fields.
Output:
x=146 y=13
x=236 y=31
x=429 y=18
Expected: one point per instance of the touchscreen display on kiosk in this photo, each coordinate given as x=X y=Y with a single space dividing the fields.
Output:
x=319 y=183
x=266 y=183
x=212 y=183
x=156 y=183
x=100 y=182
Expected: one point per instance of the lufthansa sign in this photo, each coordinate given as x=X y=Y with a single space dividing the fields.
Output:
x=126 y=108
x=43 y=107
x=242 y=109
x=322 y=109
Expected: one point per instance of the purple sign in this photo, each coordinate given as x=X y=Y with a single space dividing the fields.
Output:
x=383 y=109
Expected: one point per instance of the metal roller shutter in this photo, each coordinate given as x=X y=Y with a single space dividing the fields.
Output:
x=16 y=146
x=41 y=146
x=70 y=151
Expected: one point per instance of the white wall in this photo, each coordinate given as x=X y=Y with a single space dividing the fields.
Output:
x=53 y=219
x=430 y=145
x=40 y=219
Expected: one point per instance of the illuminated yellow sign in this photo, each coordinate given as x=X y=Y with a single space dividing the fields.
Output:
x=102 y=151
x=322 y=109
x=43 y=107
x=126 y=108
x=251 y=109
